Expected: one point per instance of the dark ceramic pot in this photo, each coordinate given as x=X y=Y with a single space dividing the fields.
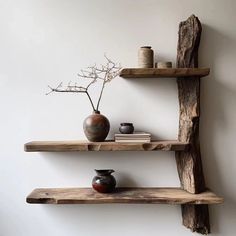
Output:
x=96 y=127
x=104 y=182
x=126 y=128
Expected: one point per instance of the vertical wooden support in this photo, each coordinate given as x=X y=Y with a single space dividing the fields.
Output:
x=189 y=164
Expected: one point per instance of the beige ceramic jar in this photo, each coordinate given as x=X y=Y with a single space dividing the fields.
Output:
x=145 y=57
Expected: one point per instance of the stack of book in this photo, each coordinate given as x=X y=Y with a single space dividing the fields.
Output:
x=137 y=137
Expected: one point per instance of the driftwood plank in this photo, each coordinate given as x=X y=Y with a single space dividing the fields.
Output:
x=157 y=73
x=121 y=195
x=189 y=162
x=68 y=146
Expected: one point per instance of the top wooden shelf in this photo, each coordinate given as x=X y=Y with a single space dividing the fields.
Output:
x=158 y=73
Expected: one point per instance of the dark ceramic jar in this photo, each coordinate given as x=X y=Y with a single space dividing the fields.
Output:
x=126 y=128
x=96 y=127
x=104 y=182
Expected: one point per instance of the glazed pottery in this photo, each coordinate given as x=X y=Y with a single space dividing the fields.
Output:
x=145 y=57
x=104 y=182
x=96 y=127
x=126 y=128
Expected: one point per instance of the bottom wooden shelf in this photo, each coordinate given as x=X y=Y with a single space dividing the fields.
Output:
x=121 y=195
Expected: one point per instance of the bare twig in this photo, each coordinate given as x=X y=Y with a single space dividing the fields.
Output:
x=90 y=100
x=106 y=73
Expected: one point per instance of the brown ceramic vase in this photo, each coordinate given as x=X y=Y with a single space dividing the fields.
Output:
x=96 y=127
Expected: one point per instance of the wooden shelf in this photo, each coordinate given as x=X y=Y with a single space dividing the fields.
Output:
x=69 y=146
x=194 y=207
x=122 y=195
x=170 y=72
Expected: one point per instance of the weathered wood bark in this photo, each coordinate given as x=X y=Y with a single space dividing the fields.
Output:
x=189 y=162
x=196 y=218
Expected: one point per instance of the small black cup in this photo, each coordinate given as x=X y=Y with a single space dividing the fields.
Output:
x=126 y=128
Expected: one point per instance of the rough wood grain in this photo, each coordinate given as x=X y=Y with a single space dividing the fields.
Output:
x=189 y=162
x=157 y=73
x=121 y=195
x=68 y=146
x=196 y=218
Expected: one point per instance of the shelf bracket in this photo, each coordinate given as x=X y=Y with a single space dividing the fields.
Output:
x=189 y=164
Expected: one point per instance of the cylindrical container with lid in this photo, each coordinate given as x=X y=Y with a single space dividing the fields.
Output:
x=163 y=64
x=145 y=57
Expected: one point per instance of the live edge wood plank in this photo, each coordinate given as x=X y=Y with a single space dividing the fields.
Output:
x=68 y=146
x=170 y=72
x=122 y=195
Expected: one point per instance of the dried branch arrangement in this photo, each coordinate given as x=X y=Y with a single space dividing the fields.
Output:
x=106 y=73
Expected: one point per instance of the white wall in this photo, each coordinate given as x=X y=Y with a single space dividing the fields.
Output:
x=44 y=42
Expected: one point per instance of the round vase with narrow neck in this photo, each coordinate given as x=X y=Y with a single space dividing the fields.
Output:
x=104 y=182
x=96 y=127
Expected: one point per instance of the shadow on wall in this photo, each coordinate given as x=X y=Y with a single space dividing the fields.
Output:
x=79 y=170
x=112 y=219
x=217 y=111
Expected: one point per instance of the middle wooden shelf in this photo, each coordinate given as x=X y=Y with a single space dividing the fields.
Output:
x=69 y=146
